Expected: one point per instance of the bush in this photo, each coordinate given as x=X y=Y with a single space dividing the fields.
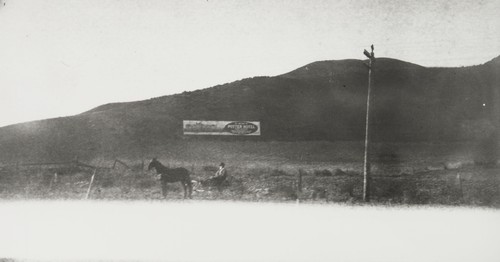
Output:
x=485 y=193
x=279 y=172
x=107 y=182
x=319 y=192
x=451 y=194
x=339 y=172
x=422 y=197
x=284 y=191
x=145 y=184
x=389 y=189
x=236 y=186
x=324 y=172
x=347 y=188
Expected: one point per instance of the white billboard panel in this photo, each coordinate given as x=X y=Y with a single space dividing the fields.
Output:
x=224 y=128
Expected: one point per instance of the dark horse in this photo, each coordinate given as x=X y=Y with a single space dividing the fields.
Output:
x=172 y=175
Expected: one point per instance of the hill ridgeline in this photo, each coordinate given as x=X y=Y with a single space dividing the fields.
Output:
x=323 y=100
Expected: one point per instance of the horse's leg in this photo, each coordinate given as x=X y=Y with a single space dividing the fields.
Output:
x=183 y=183
x=164 y=188
x=190 y=187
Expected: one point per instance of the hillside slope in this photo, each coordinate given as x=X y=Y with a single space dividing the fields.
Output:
x=323 y=100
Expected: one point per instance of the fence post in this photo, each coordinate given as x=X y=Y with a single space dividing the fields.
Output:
x=53 y=181
x=459 y=183
x=90 y=185
x=299 y=181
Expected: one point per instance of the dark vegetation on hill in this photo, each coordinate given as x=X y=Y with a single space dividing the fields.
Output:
x=320 y=101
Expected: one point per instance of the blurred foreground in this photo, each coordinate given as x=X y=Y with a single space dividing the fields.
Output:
x=235 y=231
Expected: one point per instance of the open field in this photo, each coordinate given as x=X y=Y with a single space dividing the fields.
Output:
x=411 y=173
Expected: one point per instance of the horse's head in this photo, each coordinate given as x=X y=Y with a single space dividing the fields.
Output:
x=154 y=163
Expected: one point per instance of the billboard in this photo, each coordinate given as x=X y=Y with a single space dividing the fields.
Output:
x=224 y=128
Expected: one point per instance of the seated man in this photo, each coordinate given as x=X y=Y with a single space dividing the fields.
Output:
x=220 y=175
x=218 y=179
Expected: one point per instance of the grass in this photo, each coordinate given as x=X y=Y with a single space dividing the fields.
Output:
x=403 y=173
x=478 y=186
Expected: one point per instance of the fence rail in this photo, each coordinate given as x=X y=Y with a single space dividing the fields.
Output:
x=56 y=164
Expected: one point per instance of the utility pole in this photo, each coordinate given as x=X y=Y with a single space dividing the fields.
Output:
x=366 y=164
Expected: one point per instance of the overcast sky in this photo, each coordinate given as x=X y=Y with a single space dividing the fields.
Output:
x=63 y=57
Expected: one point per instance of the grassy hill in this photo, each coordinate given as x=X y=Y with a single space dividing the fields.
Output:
x=320 y=101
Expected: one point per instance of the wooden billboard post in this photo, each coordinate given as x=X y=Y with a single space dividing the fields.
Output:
x=366 y=164
x=299 y=181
